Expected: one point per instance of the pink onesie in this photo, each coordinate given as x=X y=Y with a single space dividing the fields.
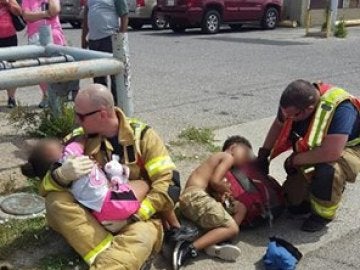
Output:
x=93 y=191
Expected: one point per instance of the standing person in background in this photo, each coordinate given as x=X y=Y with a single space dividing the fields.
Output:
x=38 y=13
x=103 y=18
x=8 y=35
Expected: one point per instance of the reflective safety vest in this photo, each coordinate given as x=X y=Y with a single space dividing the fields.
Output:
x=330 y=98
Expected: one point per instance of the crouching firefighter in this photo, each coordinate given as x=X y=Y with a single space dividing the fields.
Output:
x=107 y=131
x=321 y=123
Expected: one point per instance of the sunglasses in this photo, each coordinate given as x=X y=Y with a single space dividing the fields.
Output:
x=82 y=116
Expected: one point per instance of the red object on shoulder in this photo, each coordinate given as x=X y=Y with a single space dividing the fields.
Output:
x=260 y=193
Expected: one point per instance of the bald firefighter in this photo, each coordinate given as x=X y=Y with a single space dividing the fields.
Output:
x=107 y=131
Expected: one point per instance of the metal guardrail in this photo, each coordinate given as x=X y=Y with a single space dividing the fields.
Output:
x=42 y=64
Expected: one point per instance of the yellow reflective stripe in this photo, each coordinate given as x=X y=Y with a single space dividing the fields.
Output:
x=159 y=164
x=146 y=209
x=328 y=103
x=49 y=184
x=137 y=127
x=324 y=211
x=76 y=132
x=89 y=258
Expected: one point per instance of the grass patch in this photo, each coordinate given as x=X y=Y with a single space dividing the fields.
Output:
x=62 y=261
x=204 y=136
x=16 y=234
x=199 y=135
x=42 y=123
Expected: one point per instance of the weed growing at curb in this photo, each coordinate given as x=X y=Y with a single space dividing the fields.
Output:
x=42 y=123
x=204 y=136
x=340 y=30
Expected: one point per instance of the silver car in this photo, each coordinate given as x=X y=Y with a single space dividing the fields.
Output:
x=72 y=11
x=145 y=12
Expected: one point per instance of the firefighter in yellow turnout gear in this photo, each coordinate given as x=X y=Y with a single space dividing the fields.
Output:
x=108 y=131
x=321 y=124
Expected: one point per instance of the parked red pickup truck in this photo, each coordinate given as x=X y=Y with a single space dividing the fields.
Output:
x=210 y=14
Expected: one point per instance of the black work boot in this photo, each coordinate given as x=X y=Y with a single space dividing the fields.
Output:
x=184 y=233
x=314 y=223
x=302 y=209
x=183 y=252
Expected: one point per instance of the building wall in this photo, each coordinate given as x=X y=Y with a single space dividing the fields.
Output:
x=296 y=9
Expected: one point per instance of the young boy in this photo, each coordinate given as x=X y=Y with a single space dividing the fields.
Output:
x=199 y=206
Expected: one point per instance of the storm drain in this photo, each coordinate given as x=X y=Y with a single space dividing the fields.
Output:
x=21 y=206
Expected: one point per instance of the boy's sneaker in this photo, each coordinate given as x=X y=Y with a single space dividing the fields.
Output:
x=226 y=252
x=183 y=252
x=11 y=102
x=184 y=233
x=44 y=103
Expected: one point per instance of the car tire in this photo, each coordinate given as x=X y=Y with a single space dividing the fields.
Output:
x=177 y=28
x=270 y=18
x=158 y=22
x=211 y=22
x=235 y=27
x=136 y=25
x=76 y=24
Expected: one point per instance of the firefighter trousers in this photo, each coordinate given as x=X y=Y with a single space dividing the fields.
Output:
x=128 y=250
x=325 y=186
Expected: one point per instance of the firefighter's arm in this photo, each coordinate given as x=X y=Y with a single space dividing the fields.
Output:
x=218 y=182
x=330 y=150
x=161 y=171
x=61 y=176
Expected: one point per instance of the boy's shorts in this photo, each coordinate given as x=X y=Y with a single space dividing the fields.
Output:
x=198 y=206
x=118 y=205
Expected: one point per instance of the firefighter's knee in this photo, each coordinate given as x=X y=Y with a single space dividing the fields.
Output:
x=322 y=182
x=175 y=189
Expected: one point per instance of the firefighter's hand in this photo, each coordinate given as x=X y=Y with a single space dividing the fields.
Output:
x=146 y=210
x=114 y=226
x=72 y=169
x=289 y=165
x=262 y=160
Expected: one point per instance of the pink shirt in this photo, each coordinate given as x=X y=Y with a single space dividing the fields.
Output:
x=33 y=27
x=7 y=28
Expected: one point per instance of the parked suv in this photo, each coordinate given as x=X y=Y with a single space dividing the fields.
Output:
x=210 y=14
x=72 y=11
x=145 y=12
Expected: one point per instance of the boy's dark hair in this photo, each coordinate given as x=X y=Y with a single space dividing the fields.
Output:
x=300 y=94
x=38 y=164
x=236 y=140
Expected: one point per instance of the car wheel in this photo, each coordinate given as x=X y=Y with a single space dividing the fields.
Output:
x=76 y=24
x=235 y=27
x=211 y=22
x=270 y=19
x=177 y=28
x=158 y=22
x=136 y=25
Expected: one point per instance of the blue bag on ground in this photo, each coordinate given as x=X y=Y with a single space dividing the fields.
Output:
x=281 y=255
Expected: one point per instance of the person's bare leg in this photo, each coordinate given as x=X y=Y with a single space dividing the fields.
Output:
x=217 y=235
x=11 y=92
x=140 y=189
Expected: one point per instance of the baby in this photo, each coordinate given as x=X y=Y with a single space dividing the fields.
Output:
x=107 y=201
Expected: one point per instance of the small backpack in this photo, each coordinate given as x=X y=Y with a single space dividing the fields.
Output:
x=260 y=193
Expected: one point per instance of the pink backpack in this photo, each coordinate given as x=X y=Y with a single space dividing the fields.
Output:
x=261 y=194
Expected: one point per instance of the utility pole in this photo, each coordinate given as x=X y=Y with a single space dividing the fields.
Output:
x=332 y=16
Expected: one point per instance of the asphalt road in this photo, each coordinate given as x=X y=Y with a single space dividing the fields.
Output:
x=224 y=79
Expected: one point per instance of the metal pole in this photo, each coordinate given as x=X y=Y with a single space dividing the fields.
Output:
x=21 y=52
x=334 y=9
x=59 y=72
x=124 y=94
x=77 y=53
x=36 y=62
